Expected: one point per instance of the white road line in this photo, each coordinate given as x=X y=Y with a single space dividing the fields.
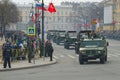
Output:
x=114 y=50
x=77 y=55
x=108 y=56
x=71 y=56
x=62 y=56
x=118 y=54
x=55 y=57
x=113 y=55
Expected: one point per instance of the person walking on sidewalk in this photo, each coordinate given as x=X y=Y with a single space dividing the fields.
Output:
x=50 y=50
x=7 y=54
x=30 y=50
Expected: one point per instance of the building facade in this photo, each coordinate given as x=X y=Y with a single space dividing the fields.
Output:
x=114 y=16
x=117 y=14
x=24 y=16
x=62 y=19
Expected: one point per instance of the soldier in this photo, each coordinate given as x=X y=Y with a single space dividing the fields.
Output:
x=7 y=54
x=50 y=51
x=30 y=50
x=46 y=48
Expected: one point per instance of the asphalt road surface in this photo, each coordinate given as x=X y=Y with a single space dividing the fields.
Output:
x=68 y=67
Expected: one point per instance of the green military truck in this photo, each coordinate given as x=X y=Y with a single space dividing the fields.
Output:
x=92 y=49
x=81 y=35
x=50 y=34
x=70 y=39
x=60 y=36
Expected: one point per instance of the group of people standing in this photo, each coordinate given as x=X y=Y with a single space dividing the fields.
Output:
x=29 y=50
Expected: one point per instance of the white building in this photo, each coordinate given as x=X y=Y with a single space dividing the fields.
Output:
x=62 y=19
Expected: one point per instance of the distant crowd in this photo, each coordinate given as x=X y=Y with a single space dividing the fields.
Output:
x=24 y=47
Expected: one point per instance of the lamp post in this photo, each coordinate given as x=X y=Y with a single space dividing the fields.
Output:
x=43 y=30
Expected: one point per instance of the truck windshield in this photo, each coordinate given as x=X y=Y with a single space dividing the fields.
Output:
x=73 y=35
x=98 y=43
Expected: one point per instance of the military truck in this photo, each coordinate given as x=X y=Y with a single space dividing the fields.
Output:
x=81 y=35
x=60 y=36
x=70 y=39
x=92 y=49
x=50 y=34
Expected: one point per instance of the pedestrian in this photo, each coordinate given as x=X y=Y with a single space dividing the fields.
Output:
x=1 y=36
x=7 y=54
x=14 y=51
x=46 y=48
x=3 y=46
x=50 y=50
x=29 y=49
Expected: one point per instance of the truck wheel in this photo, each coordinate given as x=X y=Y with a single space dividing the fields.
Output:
x=76 y=50
x=81 y=61
x=67 y=47
x=64 y=46
x=106 y=58
x=102 y=59
x=57 y=43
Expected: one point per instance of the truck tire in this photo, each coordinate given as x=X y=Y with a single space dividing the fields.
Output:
x=102 y=59
x=81 y=61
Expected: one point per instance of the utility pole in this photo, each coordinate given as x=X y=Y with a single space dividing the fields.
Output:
x=43 y=30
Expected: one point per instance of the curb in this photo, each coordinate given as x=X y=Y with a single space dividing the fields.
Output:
x=28 y=67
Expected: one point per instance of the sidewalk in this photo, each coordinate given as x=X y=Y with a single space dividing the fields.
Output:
x=23 y=64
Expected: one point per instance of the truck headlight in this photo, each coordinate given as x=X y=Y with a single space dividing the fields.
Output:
x=99 y=52
x=83 y=52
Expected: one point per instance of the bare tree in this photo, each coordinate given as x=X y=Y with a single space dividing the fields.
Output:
x=8 y=13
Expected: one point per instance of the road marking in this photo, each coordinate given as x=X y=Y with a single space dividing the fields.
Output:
x=113 y=55
x=108 y=56
x=71 y=56
x=62 y=56
x=55 y=57
x=117 y=54
x=115 y=50
x=77 y=55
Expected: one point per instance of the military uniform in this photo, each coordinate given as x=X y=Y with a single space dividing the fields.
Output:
x=50 y=51
x=30 y=50
x=7 y=54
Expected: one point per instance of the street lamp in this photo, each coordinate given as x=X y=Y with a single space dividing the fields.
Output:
x=42 y=28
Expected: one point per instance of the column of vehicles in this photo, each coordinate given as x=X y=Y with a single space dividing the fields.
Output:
x=88 y=44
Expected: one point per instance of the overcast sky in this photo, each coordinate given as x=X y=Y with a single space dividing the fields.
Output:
x=56 y=2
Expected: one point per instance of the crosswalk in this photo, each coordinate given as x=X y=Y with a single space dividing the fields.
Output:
x=59 y=56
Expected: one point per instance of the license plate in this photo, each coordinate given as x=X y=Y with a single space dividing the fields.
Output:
x=90 y=55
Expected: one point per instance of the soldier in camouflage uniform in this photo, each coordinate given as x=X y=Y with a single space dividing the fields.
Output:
x=30 y=50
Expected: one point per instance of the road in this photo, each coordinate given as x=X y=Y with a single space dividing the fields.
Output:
x=68 y=67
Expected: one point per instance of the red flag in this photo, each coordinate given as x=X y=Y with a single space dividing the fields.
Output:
x=37 y=15
x=40 y=8
x=51 y=8
x=33 y=19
